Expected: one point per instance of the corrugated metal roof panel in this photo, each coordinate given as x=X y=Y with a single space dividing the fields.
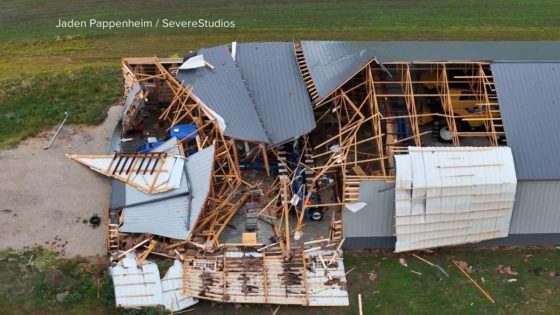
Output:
x=376 y=218
x=115 y=142
x=118 y=194
x=222 y=90
x=172 y=216
x=529 y=98
x=331 y=63
x=199 y=171
x=273 y=78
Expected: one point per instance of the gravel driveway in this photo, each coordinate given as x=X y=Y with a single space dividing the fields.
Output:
x=44 y=197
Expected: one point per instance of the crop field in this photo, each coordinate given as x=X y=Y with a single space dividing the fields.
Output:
x=32 y=48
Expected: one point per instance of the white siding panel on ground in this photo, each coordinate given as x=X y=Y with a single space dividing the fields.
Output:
x=135 y=287
x=172 y=289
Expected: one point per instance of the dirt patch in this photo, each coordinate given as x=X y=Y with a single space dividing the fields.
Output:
x=49 y=192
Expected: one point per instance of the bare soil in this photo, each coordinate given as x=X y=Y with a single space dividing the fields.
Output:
x=45 y=198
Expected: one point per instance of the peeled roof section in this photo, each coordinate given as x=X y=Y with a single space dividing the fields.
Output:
x=529 y=98
x=222 y=90
x=331 y=63
x=172 y=214
x=273 y=78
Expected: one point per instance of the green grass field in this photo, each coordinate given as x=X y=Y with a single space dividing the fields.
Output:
x=31 y=47
x=396 y=289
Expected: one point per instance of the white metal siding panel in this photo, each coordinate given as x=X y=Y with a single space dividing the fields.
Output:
x=458 y=195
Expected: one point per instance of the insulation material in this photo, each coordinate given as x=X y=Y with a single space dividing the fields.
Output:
x=134 y=286
x=453 y=195
x=172 y=289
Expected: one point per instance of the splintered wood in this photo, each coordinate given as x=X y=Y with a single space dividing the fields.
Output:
x=238 y=277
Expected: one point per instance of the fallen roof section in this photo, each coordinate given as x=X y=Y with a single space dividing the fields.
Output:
x=453 y=195
x=529 y=98
x=136 y=286
x=315 y=279
x=149 y=172
x=141 y=286
x=273 y=78
x=331 y=63
x=172 y=214
x=222 y=91
x=172 y=288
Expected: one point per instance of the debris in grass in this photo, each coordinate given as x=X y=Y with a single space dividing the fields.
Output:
x=349 y=271
x=402 y=261
x=416 y=272
x=512 y=280
x=464 y=266
x=372 y=276
x=465 y=272
x=506 y=270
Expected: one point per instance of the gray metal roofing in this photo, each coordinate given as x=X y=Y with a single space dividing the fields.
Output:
x=529 y=98
x=273 y=78
x=115 y=141
x=331 y=63
x=376 y=218
x=172 y=214
x=169 y=146
x=124 y=195
x=222 y=90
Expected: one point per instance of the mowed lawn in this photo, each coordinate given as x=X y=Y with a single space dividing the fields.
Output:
x=45 y=70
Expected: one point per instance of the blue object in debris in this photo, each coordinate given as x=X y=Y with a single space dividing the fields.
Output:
x=148 y=146
x=181 y=131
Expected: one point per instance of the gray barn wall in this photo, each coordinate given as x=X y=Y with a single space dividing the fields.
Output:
x=536 y=208
x=535 y=220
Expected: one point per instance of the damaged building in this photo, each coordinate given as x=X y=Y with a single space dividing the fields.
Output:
x=250 y=166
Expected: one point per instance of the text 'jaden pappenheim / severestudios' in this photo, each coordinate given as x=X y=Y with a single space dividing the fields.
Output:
x=142 y=23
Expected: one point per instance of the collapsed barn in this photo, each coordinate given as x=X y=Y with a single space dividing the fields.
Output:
x=251 y=165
